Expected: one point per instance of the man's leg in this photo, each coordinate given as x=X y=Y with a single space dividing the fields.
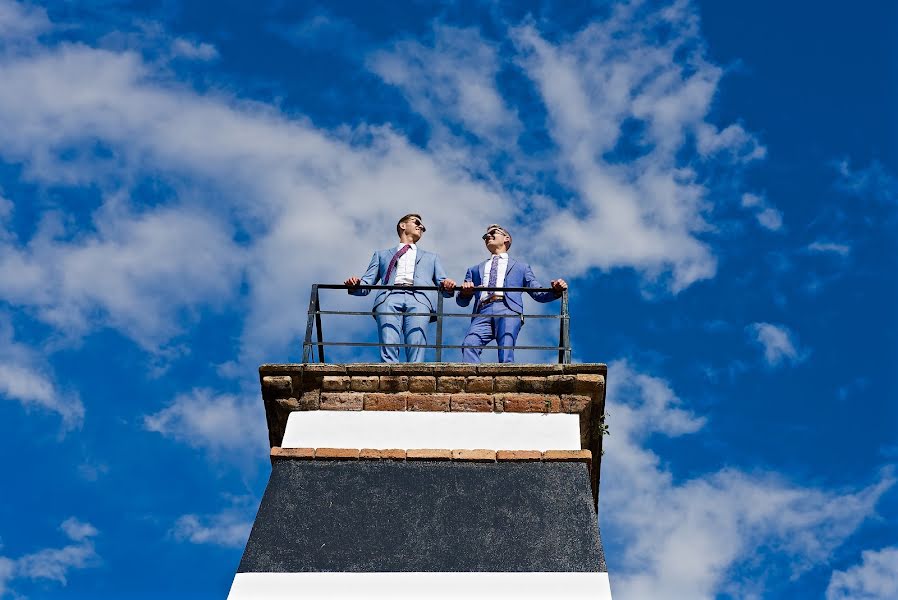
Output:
x=389 y=323
x=507 y=335
x=480 y=333
x=415 y=328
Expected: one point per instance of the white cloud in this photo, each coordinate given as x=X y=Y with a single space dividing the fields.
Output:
x=778 y=342
x=228 y=528
x=26 y=378
x=454 y=80
x=216 y=422
x=829 y=248
x=19 y=21
x=53 y=564
x=872 y=181
x=702 y=536
x=648 y=211
x=768 y=217
x=875 y=578
x=190 y=50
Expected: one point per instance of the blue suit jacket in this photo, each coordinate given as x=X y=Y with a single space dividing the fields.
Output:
x=428 y=271
x=518 y=274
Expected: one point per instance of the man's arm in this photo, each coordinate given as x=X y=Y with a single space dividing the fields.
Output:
x=369 y=278
x=439 y=277
x=530 y=281
x=463 y=298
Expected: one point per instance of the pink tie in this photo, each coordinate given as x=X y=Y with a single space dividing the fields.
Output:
x=393 y=262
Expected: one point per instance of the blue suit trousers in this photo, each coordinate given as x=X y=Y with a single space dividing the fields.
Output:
x=484 y=329
x=392 y=321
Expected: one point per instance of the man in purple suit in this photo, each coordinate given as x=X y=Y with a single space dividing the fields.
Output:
x=500 y=270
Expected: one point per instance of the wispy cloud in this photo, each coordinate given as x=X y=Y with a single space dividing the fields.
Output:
x=25 y=377
x=875 y=578
x=820 y=247
x=53 y=564
x=767 y=216
x=230 y=527
x=778 y=342
x=873 y=182
x=702 y=536
x=219 y=423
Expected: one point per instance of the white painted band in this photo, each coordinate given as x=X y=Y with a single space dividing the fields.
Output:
x=415 y=430
x=311 y=586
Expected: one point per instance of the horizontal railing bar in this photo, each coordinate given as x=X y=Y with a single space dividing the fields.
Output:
x=427 y=288
x=431 y=345
x=466 y=315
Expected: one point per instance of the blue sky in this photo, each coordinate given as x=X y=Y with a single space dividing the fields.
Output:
x=717 y=182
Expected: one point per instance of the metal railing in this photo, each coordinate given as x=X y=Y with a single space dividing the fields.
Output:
x=313 y=326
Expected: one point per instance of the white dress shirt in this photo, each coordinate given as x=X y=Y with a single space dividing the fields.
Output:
x=405 y=266
x=500 y=274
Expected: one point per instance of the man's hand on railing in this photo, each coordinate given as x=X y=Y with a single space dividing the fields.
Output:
x=558 y=286
x=448 y=284
x=467 y=289
x=353 y=281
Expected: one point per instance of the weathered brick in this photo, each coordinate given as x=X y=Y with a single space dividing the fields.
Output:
x=479 y=385
x=588 y=383
x=335 y=383
x=575 y=403
x=543 y=403
x=322 y=368
x=532 y=385
x=505 y=383
x=471 y=403
x=277 y=386
x=381 y=401
x=584 y=456
x=428 y=402
x=422 y=384
x=412 y=368
x=336 y=453
x=463 y=369
x=375 y=454
x=561 y=384
x=428 y=454
x=364 y=383
x=393 y=383
x=525 y=455
x=278 y=453
x=342 y=401
x=451 y=384
x=310 y=400
x=474 y=455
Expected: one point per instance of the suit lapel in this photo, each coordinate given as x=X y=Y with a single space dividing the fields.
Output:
x=481 y=271
x=512 y=263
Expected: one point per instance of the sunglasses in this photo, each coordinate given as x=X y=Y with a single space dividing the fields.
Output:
x=492 y=233
x=418 y=223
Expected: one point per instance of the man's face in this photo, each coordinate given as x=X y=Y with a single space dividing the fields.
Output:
x=495 y=240
x=413 y=227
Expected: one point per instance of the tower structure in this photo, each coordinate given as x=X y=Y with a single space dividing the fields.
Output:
x=429 y=480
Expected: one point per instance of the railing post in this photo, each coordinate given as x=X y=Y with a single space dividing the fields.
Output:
x=439 y=344
x=318 y=326
x=564 y=336
x=307 y=344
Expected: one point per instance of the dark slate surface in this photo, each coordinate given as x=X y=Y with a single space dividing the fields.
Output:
x=425 y=516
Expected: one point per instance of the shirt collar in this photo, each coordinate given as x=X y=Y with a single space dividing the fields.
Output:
x=411 y=247
x=500 y=255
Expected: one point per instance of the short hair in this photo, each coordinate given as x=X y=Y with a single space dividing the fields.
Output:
x=404 y=219
x=497 y=226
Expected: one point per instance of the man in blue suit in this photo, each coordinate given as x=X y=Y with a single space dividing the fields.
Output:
x=403 y=265
x=499 y=270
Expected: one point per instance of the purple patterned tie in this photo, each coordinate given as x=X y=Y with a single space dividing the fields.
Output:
x=494 y=272
x=393 y=262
